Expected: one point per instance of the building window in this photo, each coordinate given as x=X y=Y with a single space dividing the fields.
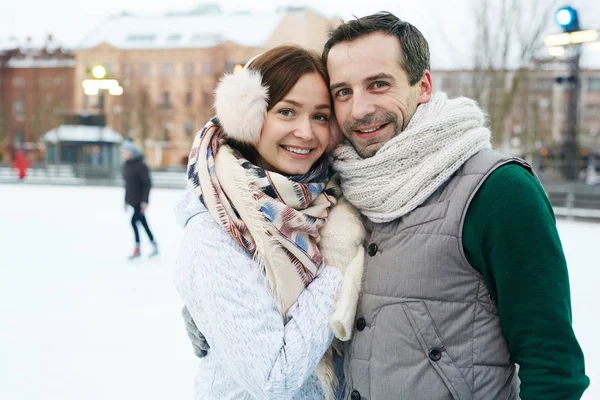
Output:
x=594 y=84
x=188 y=99
x=18 y=82
x=146 y=69
x=127 y=70
x=189 y=128
x=188 y=69
x=543 y=84
x=174 y=37
x=44 y=83
x=591 y=111
x=208 y=98
x=166 y=135
x=19 y=138
x=141 y=38
x=208 y=68
x=168 y=69
x=18 y=107
x=206 y=40
x=166 y=100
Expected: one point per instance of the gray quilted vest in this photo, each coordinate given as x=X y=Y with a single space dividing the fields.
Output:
x=426 y=325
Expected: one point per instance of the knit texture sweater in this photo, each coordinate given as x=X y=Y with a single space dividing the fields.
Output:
x=510 y=236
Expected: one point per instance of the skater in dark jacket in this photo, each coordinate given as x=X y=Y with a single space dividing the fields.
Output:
x=137 y=191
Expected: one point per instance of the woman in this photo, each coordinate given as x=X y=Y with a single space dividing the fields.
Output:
x=259 y=268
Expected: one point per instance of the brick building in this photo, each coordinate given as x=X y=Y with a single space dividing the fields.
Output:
x=36 y=89
x=169 y=65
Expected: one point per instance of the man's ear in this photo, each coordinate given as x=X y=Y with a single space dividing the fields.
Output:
x=425 y=88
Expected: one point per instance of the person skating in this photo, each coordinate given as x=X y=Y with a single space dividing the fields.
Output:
x=137 y=191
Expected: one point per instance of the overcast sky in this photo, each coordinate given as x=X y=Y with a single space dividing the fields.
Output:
x=446 y=24
x=69 y=20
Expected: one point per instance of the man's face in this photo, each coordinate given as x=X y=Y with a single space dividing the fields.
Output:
x=372 y=96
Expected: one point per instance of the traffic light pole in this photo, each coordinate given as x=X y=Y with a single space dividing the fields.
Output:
x=570 y=145
x=571 y=40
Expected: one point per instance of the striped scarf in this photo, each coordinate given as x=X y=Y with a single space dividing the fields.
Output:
x=275 y=218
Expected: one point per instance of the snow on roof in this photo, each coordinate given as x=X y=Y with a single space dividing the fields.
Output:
x=48 y=43
x=30 y=62
x=8 y=43
x=82 y=133
x=183 y=31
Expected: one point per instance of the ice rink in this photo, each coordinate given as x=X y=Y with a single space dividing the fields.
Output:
x=80 y=322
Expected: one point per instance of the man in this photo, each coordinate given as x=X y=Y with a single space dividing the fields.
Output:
x=465 y=275
x=137 y=192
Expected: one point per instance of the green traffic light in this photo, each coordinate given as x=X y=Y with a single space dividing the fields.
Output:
x=564 y=17
x=567 y=18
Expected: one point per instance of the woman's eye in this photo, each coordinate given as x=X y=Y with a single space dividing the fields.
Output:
x=286 y=112
x=322 y=117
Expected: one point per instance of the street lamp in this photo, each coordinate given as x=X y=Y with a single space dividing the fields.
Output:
x=99 y=72
x=92 y=87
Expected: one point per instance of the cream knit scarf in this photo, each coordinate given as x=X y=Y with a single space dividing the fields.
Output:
x=441 y=136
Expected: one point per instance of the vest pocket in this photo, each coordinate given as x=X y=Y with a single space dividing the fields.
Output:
x=434 y=350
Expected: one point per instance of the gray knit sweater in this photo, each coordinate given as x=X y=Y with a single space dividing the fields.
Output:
x=253 y=353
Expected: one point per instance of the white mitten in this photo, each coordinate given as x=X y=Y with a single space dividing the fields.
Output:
x=341 y=244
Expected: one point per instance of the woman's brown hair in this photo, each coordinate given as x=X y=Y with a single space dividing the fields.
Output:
x=283 y=66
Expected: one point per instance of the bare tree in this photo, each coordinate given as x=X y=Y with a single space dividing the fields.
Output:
x=508 y=34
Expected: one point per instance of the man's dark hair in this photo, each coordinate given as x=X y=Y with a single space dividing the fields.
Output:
x=414 y=45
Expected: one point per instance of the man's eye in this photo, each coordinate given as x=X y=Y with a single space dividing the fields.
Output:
x=343 y=92
x=380 y=84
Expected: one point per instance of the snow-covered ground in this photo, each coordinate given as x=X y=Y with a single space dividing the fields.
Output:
x=78 y=321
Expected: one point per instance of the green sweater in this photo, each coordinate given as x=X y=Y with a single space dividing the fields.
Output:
x=510 y=236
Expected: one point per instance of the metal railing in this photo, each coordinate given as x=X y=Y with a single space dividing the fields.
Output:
x=578 y=199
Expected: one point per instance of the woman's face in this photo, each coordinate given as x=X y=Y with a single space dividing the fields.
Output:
x=296 y=130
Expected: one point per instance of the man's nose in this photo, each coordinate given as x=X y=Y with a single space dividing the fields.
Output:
x=362 y=105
